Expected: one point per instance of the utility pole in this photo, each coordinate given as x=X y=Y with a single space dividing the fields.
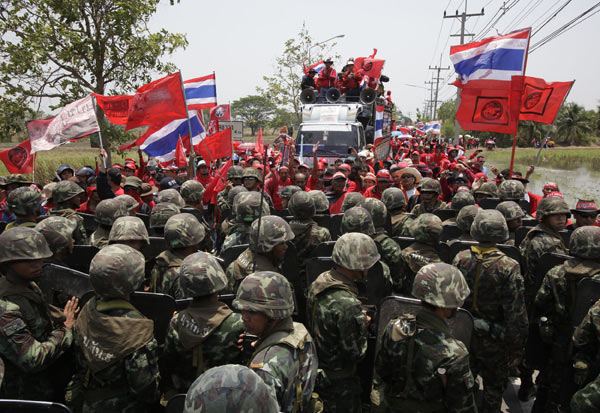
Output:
x=463 y=20
x=437 y=87
x=430 y=102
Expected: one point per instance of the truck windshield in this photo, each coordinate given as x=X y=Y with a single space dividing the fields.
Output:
x=328 y=135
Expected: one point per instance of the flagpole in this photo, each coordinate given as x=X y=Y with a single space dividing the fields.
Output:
x=189 y=123
x=33 y=172
x=99 y=135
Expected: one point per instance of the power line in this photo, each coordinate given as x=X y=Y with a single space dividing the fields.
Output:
x=551 y=18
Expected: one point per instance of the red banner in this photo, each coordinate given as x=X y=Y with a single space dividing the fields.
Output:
x=220 y=112
x=19 y=159
x=540 y=101
x=368 y=66
x=260 y=146
x=115 y=108
x=219 y=145
x=180 y=159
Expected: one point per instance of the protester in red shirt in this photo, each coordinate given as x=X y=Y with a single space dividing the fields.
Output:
x=351 y=82
x=275 y=184
x=203 y=174
x=384 y=181
x=337 y=193
x=326 y=78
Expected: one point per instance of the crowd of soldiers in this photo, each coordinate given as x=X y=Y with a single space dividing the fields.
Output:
x=314 y=341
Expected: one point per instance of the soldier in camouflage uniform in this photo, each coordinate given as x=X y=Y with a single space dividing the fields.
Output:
x=307 y=234
x=205 y=334
x=230 y=388
x=286 y=193
x=107 y=211
x=352 y=200
x=321 y=202
x=459 y=201
x=172 y=196
x=486 y=190
x=130 y=203
x=429 y=190
x=464 y=220
x=192 y=192
x=159 y=216
x=246 y=207
x=424 y=369
x=234 y=179
x=183 y=234
x=426 y=230
x=511 y=190
x=25 y=203
x=58 y=232
x=585 y=350
x=339 y=324
x=129 y=231
x=395 y=202
x=497 y=305
x=265 y=252
x=32 y=336
x=115 y=350
x=252 y=179
x=555 y=301
x=284 y=355
x=513 y=214
x=228 y=222
x=66 y=197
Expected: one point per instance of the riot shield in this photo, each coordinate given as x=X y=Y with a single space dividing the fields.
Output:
x=324 y=249
x=445 y=214
x=63 y=280
x=489 y=203
x=145 y=218
x=546 y=262
x=520 y=234
x=176 y=404
x=290 y=270
x=404 y=242
x=335 y=226
x=457 y=246
x=157 y=307
x=195 y=212
x=323 y=221
x=13 y=406
x=388 y=224
x=588 y=292
x=450 y=232
x=89 y=222
x=566 y=236
x=529 y=222
x=81 y=257
x=230 y=254
x=524 y=204
x=183 y=303
x=156 y=246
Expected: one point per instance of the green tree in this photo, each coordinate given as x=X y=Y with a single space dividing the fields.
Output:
x=528 y=131
x=282 y=117
x=254 y=110
x=283 y=87
x=446 y=114
x=55 y=51
x=574 y=125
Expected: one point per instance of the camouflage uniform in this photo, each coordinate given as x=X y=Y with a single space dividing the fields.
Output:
x=423 y=368
x=116 y=353
x=511 y=210
x=352 y=200
x=172 y=196
x=181 y=231
x=488 y=189
x=107 y=211
x=273 y=231
x=497 y=305
x=464 y=219
x=23 y=201
x=251 y=172
x=433 y=186
x=555 y=300
x=426 y=230
x=395 y=202
x=30 y=338
x=321 y=202
x=58 y=232
x=224 y=206
x=285 y=355
x=459 y=201
x=63 y=191
x=228 y=215
x=511 y=190
x=159 y=216
x=338 y=323
x=205 y=334
x=246 y=207
x=130 y=203
x=192 y=192
x=230 y=388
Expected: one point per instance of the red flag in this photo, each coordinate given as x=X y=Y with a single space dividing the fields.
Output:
x=540 y=101
x=259 y=147
x=158 y=102
x=19 y=159
x=129 y=145
x=180 y=159
x=489 y=106
x=220 y=112
x=217 y=184
x=374 y=53
x=218 y=144
x=368 y=66
x=115 y=108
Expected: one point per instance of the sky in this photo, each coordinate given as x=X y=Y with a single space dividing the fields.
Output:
x=239 y=40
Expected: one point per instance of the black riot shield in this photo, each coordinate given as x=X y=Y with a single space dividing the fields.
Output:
x=230 y=254
x=157 y=307
x=450 y=232
x=457 y=246
x=81 y=257
x=66 y=281
x=546 y=262
x=324 y=249
x=89 y=222
x=335 y=226
x=404 y=242
x=291 y=271
x=13 y=406
x=323 y=221
x=529 y=222
x=195 y=212
x=183 y=303
x=151 y=251
x=588 y=292
x=445 y=214
x=566 y=236
x=489 y=203
x=145 y=219
x=520 y=234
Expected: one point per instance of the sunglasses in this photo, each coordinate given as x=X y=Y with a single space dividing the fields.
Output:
x=406 y=176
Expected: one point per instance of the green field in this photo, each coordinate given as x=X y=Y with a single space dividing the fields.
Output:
x=559 y=158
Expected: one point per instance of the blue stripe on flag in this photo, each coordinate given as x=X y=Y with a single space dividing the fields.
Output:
x=201 y=92
x=167 y=143
x=497 y=59
x=379 y=124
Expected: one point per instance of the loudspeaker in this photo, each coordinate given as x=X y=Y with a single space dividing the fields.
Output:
x=308 y=96
x=368 y=96
x=332 y=95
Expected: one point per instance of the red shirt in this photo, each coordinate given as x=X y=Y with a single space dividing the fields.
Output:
x=372 y=192
x=273 y=187
x=336 y=207
x=326 y=78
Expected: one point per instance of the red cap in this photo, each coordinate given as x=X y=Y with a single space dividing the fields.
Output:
x=323 y=160
x=338 y=175
x=551 y=185
x=555 y=194
x=284 y=168
x=481 y=175
x=346 y=167
x=322 y=166
x=402 y=165
x=415 y=153
x=383 y=174
x=130 y=160
x=130 y=166
x=370 y=176
x=585 y=206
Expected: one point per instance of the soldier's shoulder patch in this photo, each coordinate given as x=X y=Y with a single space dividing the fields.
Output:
x=13 y=327
x=404 y=326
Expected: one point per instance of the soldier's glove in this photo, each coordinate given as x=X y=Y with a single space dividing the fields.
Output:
x=580 y=373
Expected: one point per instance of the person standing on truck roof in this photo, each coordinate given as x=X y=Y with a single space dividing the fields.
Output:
x=326 y=78
x=351 y=82
x=308 y=81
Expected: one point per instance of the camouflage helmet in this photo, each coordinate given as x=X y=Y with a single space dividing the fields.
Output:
x=128 y=229
x=377 y=210
x=487 y=188
x=355 y=251
x=251 y=172
x=234 y=172
x=230 y=388
x=108 y=210
x=352 y=200
x=426 y=228
x=47 y=191
x=465 y=218
x=585 y=243
x=462 y=199
x=161 y=213
x=2 y=182
x=321 y=201
x=246 y=206
x=430 y=185
x=511 y=190
x=393 y=198
x=289 y=190
x=201 y=274
x=302 y=205
x=552 y=206
x=170 y=195
x=441 y=285
x=511 y=210
x=17 y=179
x=24 y=201
x=489 y=225
x=192 y=191
x=183 y=230
x=129 y=201
x=117 y=270
x=58 y=232
x=357 y=219
x=233 y=192
x=65 y=190
x=273 y=231
x=265 y=292
x=23 y=243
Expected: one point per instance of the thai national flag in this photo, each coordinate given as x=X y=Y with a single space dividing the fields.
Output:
x=378 y=122
x=494 y=58
x=317 y=66
x=161 y=142
x=201 y=92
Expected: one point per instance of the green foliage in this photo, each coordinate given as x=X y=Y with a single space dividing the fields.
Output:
x=56 y=51
x=254 y=110
x=282 y=117
x=574 y=125
x=446 y=114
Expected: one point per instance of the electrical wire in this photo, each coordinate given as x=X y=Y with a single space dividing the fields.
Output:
x=551 y=18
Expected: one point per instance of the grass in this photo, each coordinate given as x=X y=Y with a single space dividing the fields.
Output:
x=558 y=158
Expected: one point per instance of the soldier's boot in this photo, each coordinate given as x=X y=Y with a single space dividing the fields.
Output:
x=527 y=389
